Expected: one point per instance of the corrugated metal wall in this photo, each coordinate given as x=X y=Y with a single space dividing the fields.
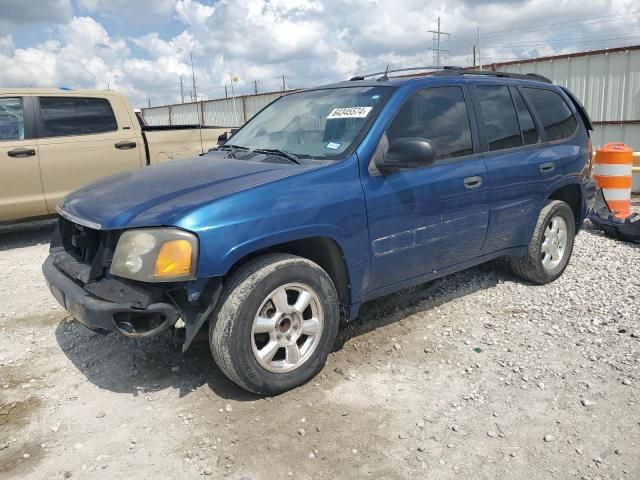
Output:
x=185 y=114
x=256 y=103
x=223 y=112
x=608 y=84
x=156 y=115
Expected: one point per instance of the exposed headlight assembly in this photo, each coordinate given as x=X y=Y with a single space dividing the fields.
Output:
x=156 y=255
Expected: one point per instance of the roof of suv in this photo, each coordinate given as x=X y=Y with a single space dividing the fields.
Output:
x=439 y=76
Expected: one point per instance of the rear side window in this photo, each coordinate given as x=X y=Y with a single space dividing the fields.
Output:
x=11 y=119
x=64 y=116
x=527 y=125
x=500 y=119
x=554 y=113
x=437 y=114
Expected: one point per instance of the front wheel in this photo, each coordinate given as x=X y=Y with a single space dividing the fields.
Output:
x=550 y=247
x=277 y=321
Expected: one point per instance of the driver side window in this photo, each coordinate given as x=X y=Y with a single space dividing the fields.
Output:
x=437 y=114
x=11 y=119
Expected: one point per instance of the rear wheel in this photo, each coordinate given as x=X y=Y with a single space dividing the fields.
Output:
x=277 y=321
x=550 y=247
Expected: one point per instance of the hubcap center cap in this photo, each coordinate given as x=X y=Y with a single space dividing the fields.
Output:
x=288 y=329
x=285 y=325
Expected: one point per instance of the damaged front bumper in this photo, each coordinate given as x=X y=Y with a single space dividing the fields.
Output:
x=107 y=316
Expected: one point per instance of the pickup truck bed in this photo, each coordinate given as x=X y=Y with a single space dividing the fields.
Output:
x=54 y=141
x=170 y=142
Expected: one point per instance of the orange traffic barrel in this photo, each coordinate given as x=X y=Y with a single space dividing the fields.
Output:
x=612 y=169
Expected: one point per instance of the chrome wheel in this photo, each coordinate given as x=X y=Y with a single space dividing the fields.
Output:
x=287 y=328
x=554 y=243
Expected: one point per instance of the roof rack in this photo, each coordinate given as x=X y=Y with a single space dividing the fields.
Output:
x=516 y=76
x=412 y=69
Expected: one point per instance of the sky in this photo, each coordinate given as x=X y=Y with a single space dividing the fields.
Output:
x=143 y=47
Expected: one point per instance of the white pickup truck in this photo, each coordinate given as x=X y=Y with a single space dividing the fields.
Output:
x=53 y=141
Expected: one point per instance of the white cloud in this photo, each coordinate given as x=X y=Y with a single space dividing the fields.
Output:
x=193 y=13
x=309 y=41
x=6 y=45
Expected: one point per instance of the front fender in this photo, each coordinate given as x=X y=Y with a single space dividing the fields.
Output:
x=326 y=202
x=277 y=238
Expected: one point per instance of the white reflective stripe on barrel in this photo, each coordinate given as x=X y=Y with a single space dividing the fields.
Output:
x=611 y=170
x=617 y=193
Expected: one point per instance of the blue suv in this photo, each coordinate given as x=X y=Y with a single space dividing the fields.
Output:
x=326 y=199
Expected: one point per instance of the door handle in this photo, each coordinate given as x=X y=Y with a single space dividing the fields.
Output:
x=21 y=152
x=547 y=167
x=472 y=182
x=125 y=145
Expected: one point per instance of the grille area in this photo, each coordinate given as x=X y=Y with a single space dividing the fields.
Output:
x=80 y=242
x=82 y=252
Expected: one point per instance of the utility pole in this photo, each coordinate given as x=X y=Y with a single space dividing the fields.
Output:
x=181 y=89
x=284 y=86
x=233 y=97
x=478 y=47
x=474 y=56
x=437 y=34
x=149 y=99
x=255 y=87
x=108 y=87
x=226 y=95
x=193 y=76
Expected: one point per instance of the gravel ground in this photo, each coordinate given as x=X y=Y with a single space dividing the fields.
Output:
x=477 y=375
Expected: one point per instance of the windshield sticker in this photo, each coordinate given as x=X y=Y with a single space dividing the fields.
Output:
x=349 y=112
x=333 y=145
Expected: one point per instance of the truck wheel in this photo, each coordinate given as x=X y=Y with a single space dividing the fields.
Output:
x=550 y=246
x=276 y=323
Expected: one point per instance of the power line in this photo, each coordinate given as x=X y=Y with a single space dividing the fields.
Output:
x=535 y=28
x=588 y=20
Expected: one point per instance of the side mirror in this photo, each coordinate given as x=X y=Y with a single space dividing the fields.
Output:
x=407 y=153
x=223 y=138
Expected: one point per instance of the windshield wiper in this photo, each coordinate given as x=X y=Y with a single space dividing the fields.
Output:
x=232 y=148
x=280 y=153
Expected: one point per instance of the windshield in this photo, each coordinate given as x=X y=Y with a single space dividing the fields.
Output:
x=312 y=124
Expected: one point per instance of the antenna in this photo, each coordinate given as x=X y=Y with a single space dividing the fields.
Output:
x=385 y=77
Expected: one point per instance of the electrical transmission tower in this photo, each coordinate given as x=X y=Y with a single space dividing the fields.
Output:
x=436 y=42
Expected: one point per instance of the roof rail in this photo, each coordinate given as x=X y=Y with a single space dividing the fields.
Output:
x=516 y=76
x=412 y=69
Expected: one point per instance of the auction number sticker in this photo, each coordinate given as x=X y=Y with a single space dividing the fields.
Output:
x=349 y=112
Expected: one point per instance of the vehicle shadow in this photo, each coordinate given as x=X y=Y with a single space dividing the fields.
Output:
x=138 y=367
x=22 y=235
x=396 y=306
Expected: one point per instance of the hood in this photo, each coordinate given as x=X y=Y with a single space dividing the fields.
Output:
x=155 y=195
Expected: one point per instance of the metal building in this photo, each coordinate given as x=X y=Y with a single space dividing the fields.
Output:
x=607 y=82
x=222 y=112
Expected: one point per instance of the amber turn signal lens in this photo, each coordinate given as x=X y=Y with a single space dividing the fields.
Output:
x=174 y=259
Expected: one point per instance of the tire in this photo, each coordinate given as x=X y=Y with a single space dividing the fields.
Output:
x=257 y=287
x=532 y=267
